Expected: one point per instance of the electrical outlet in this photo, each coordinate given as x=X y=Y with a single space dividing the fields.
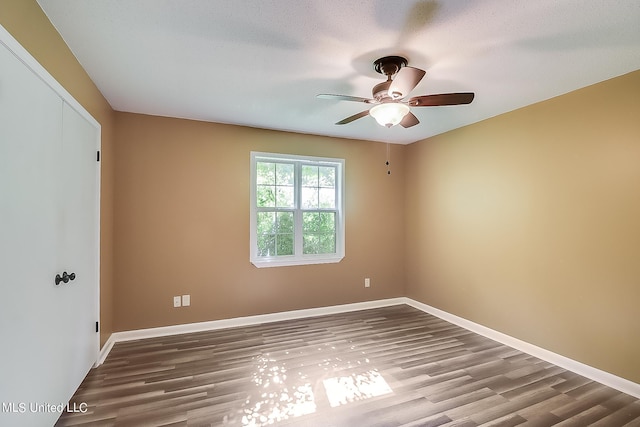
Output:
x=367 y=282
x=186 y=300
x=176 y=301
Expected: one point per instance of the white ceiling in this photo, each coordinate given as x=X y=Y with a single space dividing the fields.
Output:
x=261 y=63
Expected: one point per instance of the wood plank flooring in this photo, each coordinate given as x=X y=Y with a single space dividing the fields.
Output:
x=392 y=366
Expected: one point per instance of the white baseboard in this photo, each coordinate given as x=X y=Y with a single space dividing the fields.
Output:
x=579 y=368
x=239 y=321
x=104 y=351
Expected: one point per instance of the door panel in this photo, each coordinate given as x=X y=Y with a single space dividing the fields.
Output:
x=30 y=114
x=79 y=211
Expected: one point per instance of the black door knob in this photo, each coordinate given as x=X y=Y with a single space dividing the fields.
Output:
x=64 y=278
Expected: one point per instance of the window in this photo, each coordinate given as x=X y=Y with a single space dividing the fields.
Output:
x=297 y=208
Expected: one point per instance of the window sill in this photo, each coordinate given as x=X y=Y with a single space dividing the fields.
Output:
x=286 y=262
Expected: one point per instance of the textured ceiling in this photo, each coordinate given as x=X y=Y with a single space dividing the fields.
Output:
x=261 y=63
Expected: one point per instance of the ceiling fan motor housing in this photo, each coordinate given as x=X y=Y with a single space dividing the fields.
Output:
x=389 y=65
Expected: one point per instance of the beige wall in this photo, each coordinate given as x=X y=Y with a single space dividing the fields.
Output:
x=182 y=224
x=26 y=22
x=529 y=223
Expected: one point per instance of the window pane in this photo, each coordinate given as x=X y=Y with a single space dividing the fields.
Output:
x=327 y=244
x=310 y=222
x=319 y=232
x=326 y=223
x=265 y=196
x=265 y=173
x=284 y=197
x=318 y=244
x=327 y=176
x=266 y=244
x=284 y=174
x=327 y=198
x=309 y=176
x=266 y=222
x=309 y=198
x=310 y=244
x=285 y=222
x=285 y=244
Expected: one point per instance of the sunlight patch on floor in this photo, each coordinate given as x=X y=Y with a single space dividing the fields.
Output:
x=281 y=397
x=283 y=392
x=342 y=390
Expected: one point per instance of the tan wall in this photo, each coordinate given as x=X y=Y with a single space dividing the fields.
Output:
x=529 y=223
x=28 y=24
x=182 y=224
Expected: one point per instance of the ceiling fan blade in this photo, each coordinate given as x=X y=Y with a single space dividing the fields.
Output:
x=354 y=117
x=441 y=99
x=409 y=120
x=405 y=81
x=345 y=98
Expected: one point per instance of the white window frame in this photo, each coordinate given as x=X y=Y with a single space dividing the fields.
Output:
x=297 y=258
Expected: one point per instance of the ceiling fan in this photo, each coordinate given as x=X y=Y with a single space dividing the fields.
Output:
x=390 y=106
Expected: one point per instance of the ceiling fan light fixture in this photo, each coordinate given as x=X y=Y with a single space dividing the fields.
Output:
x=391 y=108
x=389 y=114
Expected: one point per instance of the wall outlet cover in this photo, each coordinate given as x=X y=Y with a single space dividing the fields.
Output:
x=176 y=301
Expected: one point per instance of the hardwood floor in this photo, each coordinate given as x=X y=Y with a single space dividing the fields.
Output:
x=392 y=366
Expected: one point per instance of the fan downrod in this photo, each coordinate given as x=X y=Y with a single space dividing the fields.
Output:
x=389 y=65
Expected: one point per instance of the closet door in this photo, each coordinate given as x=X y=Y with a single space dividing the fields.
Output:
x=78 y=242
x=49 y=224
x=30 y=146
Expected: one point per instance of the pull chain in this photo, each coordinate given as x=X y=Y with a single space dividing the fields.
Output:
x=388 y=159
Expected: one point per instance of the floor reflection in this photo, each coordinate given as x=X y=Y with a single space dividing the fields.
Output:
x=342 y=390
x=293 y=384
x=281 y=395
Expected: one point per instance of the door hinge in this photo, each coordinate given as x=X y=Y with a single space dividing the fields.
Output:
x=97 y=327
x=98 y=156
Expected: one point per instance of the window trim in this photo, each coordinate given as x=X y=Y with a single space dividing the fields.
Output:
x=300 y=259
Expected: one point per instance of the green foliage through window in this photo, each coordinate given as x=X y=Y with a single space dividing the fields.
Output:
x=296 y=207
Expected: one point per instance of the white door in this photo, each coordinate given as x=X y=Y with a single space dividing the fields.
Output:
x=77 y=245
x=48 y=223
x=30 y=114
